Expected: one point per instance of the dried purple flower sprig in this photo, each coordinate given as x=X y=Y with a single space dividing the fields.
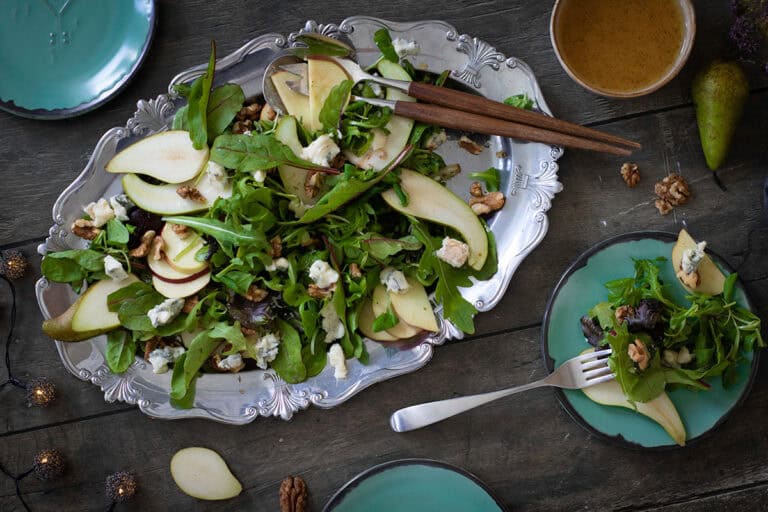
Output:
x=749 y=31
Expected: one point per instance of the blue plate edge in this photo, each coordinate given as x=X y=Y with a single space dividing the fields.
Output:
x=42 y=114
x=337 y=498
x=581 y=261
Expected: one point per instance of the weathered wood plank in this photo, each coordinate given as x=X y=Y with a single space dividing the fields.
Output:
x=41 y=158
x=751 y=499
x=525 y=447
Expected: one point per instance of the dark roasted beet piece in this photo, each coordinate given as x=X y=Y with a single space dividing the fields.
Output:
x=592 y=331
x=251 y=315
x=143 y=221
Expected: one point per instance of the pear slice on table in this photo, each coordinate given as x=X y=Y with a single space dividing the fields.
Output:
x=166 y=156
x=660 y=409
x=89 y=316
x=711 y=279
x=429 y=200
x=203 y=474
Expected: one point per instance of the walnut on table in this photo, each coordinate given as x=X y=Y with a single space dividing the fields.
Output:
x=293 y=495
x=631 y=174
x=672 y=191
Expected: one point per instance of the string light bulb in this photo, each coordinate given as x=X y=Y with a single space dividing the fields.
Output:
x=40 y=392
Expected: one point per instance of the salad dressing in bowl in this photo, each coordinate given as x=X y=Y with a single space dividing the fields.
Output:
x=622 y=48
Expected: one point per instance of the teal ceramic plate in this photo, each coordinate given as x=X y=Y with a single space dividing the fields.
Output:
x=61 y=58
x=578 y=290
x=414 y=485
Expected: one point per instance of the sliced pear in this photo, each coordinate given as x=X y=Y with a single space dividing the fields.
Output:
x=295 y=103
x=660 y=409
x=379 y=304
x=365 y=323
x=293 y=178
x=432 y=201
x=386 y=147
x=162 y=269
x=166 y=156
x=413 y=306
x=181 y=290
x=323 y=76
x=89 y=316
x=203 y=474
x=187 y=337
x=163 y=199
x=711 y=279
x=180 y=252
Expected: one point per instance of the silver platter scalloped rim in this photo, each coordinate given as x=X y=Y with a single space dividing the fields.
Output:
x=529 y=182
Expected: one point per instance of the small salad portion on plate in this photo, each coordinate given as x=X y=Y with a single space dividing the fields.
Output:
x=679 y=328
x=244 y=239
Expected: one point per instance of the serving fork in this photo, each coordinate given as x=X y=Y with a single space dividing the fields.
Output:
x=579 y=372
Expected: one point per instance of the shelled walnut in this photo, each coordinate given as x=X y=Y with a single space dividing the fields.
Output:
x=293 y=495
x=631 y=174
x=672 y=191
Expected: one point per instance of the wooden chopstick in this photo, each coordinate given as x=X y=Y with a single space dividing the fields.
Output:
x=461 y=120
x=478 y=105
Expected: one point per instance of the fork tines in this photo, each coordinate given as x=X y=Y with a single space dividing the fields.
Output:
x=595 y=366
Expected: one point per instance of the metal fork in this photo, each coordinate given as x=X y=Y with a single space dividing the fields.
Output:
x=579 y=372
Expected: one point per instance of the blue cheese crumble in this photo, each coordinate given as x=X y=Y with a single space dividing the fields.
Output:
x=692 y=257
x=165 y=312
x=403 y=47
x=160 y=358
x=337 y=360
x=453 y=252
x=322 y=274
x=264 y=351
x=114 y=269
x=331 y=323
x=321 y=151
x=394 y=280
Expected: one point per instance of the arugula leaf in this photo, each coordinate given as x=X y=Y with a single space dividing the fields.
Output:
x=384 y=43
x=321 y=45
x=117 y=233
x=197 y=109
x=520 y=101
x=178 y=382
x=604 y=314
x=289 y=364
x=448 y=280
x=382 y=248
x=638 y=386
x=491 y=177
x=315 y=361
x=351 y=184
x=334 y=104
x=121 y=350
x=221 y=231
x=249 y=153
x=232 y=334
x=223 y=105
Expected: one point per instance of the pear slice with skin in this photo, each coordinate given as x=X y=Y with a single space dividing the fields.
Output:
x=379 y=303
x=660 y=409
x=203 y=474
x=429 y=200
x=365 y=323
x=711 y=279
x=164 y=200
x=323 y=76
x=180 y=252
x=413 y=306
x=166 y=156
x=293 y=178
x=89 y=315
x=295 y=103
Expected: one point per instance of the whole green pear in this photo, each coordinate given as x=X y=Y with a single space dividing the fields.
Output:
x=720 y=92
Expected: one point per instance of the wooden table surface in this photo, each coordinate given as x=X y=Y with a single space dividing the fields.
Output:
x=526 y=448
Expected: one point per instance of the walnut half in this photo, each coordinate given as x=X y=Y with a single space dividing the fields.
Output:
x=293 y=495
x=631 y=174
x=638 y=353
x=85 y=229
x=486 y=203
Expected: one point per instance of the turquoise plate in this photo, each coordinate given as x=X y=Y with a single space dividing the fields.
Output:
x=414 y=485
x=61 y=58
x=578 y=290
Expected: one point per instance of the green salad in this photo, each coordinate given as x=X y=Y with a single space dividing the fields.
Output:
x=657 y=342
x=245 y=239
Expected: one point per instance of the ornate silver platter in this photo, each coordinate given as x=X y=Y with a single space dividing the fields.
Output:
x=529 y=180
